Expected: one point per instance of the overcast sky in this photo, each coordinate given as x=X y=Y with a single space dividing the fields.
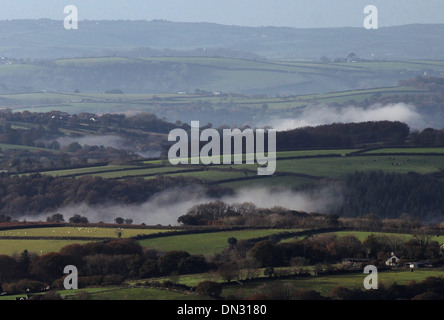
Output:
x=291 y=13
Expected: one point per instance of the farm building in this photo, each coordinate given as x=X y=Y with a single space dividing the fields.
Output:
x=392 y=261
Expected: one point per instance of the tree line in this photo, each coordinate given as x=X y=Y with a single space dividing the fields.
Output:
x=392 y=195
x=35 y=194
x=344 y=135
x=98 y=263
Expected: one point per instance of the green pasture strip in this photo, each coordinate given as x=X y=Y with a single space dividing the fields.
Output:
x=17 y=246
x=324 y=284
x=252 y=79
x=339 y=166
x=140 y=172
x=360 y=94
x=302 y=153
x=397 y=65
x=6 y=146
x=115 y=293
x=89 y=61
x=336 y=167
x=193 y=280
x=190 y=280
x=382 y=65
x=278 y=154
x=333 y=167
x=19 y=69
x=87 y=232
x=205 y=243
x=126 y=293
x=227 y=63
x=406 y=150
x=86 y=170
x=362 y=235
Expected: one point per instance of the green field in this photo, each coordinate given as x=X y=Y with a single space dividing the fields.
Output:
x=102 y=103
x=87 y=232
x=339 y=166
x=293 y=168
x=217 y=74
x=324 y=284
x=117 y=293
x=41 y=246
x=204 y=243
x=17 y=246
x=407 y=150
x=5 y=146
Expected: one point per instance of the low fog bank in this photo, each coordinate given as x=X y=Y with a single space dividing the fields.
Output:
x=113 y=141
x=322 y=114
x=166 y=207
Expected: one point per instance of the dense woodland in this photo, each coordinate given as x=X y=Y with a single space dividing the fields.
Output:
x=344 y=135
x=390 y=195
x=36 y=193
x=381 y=194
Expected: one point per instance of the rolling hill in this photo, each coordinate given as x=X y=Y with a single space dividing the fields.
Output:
x=167 y=75
x=47 y=39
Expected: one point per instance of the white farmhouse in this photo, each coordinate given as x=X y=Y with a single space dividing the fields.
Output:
x=392 y=261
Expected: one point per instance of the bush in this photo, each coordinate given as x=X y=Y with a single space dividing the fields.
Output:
x=112 y=279
x=209 y=289
x=24 y=286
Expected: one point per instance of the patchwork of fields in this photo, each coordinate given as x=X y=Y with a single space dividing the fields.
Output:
x=293 y=168
x=205 y=244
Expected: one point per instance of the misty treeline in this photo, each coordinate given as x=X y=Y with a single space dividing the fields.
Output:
x=35 y=194
x=381 y=194
x=344 y=135
x=336 y=135
x=127 y=134
x=406 y=200
x=248 y=214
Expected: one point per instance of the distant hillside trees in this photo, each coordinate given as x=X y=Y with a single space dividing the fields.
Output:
x=344 y=135
x=389 y=195
x=37 y=193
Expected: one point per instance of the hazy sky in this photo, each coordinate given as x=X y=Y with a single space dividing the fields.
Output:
x=292 y=13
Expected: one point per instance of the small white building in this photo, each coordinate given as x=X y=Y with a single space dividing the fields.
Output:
x=392 y=261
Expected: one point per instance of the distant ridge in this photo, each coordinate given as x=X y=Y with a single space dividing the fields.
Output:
x=47 y=39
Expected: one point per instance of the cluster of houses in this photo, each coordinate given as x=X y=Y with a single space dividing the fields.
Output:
x=392 y=261
x=5 y=60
